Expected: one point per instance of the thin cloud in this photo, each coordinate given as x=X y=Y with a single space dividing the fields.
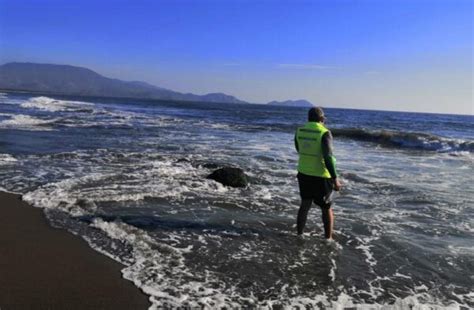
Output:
x=305 y=66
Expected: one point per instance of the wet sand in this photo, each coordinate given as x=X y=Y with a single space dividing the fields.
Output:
x=47 y=268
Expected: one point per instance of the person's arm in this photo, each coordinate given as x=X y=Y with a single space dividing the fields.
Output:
x=329 y=159
x=328 y=156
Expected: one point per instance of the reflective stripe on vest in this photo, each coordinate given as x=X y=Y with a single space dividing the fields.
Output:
x=311 y=161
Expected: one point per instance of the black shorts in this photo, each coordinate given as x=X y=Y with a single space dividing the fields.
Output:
x=316 y=188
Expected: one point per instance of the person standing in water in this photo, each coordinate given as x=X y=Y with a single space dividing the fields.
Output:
x=317 y=176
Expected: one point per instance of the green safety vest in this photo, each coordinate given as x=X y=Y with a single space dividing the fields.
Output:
x=311 y=161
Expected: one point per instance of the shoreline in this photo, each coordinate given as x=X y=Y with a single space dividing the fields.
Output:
x=42 y=267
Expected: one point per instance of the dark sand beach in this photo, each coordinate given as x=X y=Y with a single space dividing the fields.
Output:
x=46 y=268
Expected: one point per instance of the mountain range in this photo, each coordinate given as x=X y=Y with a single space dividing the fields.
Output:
x=79 y=81
x=71 y=80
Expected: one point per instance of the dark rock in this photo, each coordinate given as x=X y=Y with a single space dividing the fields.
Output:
x=229 y=176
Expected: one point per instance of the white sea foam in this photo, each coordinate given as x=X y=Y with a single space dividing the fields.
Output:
x=26 y=122
x=160 y=271
x=365 y=246
x=54 y=105
x=96 y=115
x=154 y=178
x=402 y=275
x=344 y=301
x=332 y=273
x=6 y=159
x=158 y=268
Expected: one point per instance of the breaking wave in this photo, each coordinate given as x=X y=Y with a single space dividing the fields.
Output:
x=410 y=140
x=26 y=122
x=54 y=105
x=6 y=159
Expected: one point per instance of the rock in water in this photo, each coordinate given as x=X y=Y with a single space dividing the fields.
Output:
x=229 y=176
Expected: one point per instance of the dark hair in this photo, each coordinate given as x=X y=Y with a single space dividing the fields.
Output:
x=315 y=115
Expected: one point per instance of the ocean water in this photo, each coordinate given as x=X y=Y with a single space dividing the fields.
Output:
x=130 y=178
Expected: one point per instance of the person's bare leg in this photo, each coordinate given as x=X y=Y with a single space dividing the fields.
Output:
x=328 y=220
x=303 y=214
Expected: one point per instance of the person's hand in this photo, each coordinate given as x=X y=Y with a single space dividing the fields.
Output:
x=337 y=184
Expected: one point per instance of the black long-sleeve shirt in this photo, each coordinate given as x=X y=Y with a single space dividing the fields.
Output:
x=326 y=146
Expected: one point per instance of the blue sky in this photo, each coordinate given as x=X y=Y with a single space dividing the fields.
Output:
x=389 y=55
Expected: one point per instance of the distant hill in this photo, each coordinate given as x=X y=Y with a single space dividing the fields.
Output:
x=292 y=103
x=71 y=80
